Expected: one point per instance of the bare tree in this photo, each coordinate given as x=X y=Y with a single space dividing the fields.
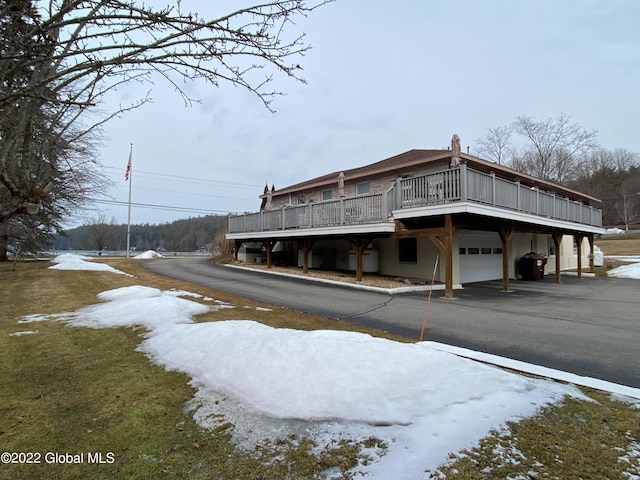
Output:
x=220 y=245
x=614 y=177
x=496 y=145
x=554 y=147
x=628 y=203
x=627 y=199
x=60 y=59
x=100 y=232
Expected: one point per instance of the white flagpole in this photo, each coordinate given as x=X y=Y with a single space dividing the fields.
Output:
x=128 y=176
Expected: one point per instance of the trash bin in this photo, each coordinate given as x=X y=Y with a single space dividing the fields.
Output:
x=531 y=266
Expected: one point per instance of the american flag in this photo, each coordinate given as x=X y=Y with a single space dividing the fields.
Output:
x=126 y=174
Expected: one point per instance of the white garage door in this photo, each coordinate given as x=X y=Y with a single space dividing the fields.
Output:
x=480 y=257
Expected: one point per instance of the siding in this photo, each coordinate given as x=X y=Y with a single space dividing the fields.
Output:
x=379 y=184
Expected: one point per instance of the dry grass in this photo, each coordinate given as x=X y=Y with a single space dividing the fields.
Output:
x=75 y=390
x=625 y=244
x=573 y=440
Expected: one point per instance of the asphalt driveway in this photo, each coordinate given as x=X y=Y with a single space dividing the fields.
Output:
x=588 y=326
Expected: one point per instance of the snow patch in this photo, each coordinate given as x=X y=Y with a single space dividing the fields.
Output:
x=626 y=271
x=148 y=254
x=271 y=383
x=69 y=261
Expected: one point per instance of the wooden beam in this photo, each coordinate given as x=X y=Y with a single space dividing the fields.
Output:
x=268 y=246
x=236 y=249
x=306 y=246
x=578 y=239
x=557 y=240
x=423 y=232
x=359 y=245
x=438 y=243
x=505 y=237
x=448 y=256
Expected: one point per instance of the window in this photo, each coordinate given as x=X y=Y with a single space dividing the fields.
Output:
x=301 y=199
x=462 y=251
x=408 y=250
x=326 y=195
x=485 y=250
x=362 y=188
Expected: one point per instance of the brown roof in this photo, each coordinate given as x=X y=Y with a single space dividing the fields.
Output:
x=420 y=157
x=398 y=162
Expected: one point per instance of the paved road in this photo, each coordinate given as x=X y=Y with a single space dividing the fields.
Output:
x=589 y=327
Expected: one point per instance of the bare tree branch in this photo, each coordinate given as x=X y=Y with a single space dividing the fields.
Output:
x=554 y=148
x=496 y=145
x=59 y=59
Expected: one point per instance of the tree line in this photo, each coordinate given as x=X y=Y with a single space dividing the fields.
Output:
x=564 y=152
x=186 y=235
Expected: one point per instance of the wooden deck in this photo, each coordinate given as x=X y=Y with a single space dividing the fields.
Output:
x=460 y=184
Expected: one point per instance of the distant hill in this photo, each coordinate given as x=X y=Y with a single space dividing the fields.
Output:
x=186 y=235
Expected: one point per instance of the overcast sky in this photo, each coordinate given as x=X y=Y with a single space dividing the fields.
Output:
x=383 y=78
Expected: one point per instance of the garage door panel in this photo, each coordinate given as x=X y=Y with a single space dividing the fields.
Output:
x=480 y=258
x=476 y=268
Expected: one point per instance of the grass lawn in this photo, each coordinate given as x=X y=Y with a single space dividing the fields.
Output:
x=88 y=393
x=623 y=244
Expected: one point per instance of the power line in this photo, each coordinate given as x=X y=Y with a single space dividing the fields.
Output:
x=192 y=194
x=200 y=181
x=159 y=207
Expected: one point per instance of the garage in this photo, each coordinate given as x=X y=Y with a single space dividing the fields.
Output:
x=480 y=256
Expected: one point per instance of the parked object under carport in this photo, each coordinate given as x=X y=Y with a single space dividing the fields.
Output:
x=531 y=266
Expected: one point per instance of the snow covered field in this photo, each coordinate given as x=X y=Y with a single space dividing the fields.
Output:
x=421 y=399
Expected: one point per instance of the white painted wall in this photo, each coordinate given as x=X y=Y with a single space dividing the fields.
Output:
x=422 y=269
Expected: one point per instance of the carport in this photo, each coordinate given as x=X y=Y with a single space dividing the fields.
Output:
x=442 y=231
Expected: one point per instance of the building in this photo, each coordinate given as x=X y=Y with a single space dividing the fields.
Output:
x=398 y=215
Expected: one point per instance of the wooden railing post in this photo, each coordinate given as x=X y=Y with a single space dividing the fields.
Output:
x=463 y=185
x=493 y=188
x=384 y=213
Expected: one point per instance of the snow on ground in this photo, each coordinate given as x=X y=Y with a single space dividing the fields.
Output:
x=624 y=258
x=149 y=254
x=423 y=401
x=626 y=271
x=25 y=332
x=69 y=261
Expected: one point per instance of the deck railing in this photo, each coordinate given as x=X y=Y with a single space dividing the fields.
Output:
x=460 y=184
x=489 y=189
